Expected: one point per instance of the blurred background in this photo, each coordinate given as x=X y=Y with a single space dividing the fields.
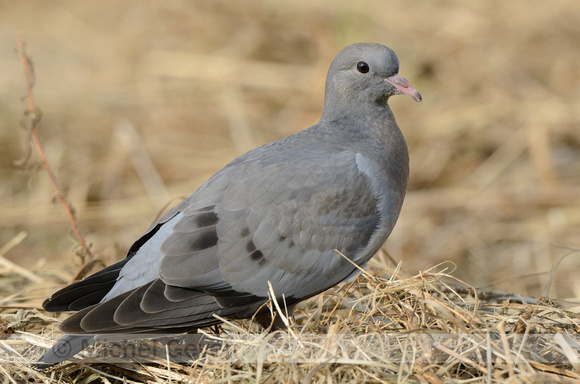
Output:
x=143 y=101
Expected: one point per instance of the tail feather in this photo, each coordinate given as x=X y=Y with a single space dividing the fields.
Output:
x=64 y=349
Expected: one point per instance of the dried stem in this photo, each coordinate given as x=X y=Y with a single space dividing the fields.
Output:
x=33 y=116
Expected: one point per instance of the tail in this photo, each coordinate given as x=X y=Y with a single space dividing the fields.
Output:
x=64 y=349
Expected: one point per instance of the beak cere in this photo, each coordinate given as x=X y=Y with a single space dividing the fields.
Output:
x=404 y=87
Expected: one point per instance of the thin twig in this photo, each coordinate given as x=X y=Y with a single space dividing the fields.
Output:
x=506 y=348
x=341 y=299
x=33 y=116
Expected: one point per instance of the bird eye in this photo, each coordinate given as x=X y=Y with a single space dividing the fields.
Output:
x=362 y=67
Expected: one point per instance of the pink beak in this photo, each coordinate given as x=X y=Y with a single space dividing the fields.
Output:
x=404 y=87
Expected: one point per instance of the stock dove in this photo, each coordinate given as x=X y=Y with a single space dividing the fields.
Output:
x=275 y=215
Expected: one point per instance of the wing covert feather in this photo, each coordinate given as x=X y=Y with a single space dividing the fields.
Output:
x=277 y=222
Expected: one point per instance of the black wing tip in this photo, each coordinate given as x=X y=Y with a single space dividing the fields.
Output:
x=84 y=293
x=49 y=305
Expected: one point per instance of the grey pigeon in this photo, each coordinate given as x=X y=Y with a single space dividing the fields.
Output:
x=275 y=215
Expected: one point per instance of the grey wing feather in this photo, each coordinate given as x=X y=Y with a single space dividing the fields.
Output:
x=243 y=229
x=279 y=223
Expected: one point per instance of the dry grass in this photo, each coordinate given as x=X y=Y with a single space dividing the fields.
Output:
x=427 y=328
x=142 y=103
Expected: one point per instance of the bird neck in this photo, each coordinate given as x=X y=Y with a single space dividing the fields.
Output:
x=373 y=132
x=374 y=121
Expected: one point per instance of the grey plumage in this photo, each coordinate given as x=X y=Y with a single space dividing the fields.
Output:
x=274 y=215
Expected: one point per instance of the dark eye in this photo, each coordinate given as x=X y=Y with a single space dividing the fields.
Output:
x=362 y=67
